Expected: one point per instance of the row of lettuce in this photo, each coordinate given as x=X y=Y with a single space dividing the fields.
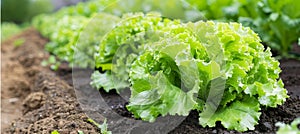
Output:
x=276 y=22
x=171 y=65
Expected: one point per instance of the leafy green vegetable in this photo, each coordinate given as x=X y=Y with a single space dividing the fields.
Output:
x=65 y=42
x=240 y=115
x=279 y=23
x=225 y=10
x=173 y=9
x=276 y=22
x=65 y=36
x=165 y=73
x=125 y=40
x=219 y=69
x=63 y=27
x=288 y=129
x=91 y=36
x=249 y=70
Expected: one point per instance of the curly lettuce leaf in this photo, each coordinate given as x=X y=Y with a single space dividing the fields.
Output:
x=159 y=99
x=119 y=47
x=288 y=129
x=163 y=78
x=241 y=115
x=107 y=82
x=132 y=30
x=245 y=65
x=155 y=88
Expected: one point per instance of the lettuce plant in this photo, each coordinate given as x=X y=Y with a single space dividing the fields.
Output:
x=126 y=38
x=63 y=28
x=277 y=22
x=64 y=36
x=288 y=128
x=225 y=10
x=219 y=69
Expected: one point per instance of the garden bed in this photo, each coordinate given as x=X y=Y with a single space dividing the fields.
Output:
x=38 y=100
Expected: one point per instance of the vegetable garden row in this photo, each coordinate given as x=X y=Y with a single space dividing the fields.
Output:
x=213 y=57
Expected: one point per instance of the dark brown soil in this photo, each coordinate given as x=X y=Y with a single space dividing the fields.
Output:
x=37 y=100
x=15 y=84
x=34 y=99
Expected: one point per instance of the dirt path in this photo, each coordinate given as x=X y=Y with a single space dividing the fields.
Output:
x=16 y=61
x=34 y=99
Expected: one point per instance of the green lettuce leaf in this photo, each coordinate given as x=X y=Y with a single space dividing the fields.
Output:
x=163 y=78
x=245 y=65
x=107 y=82
x=288 y=129
x=119 y=47
x=241 y=115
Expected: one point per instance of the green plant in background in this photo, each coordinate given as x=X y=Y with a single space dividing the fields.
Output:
x=63 y=27
x=52 y=62
x=9 y=29
x=91 y=37
x=276 y=21
x=64 y=36
x=173 y=9
x=225 y=10
x=288 y=129
x=19 y=42
x=279 y=24
x=14 y=10
x=20 y=11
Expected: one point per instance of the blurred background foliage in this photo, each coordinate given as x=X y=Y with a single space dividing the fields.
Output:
x=17 y=14
x=19 y=11
x=277 y=22
x=9 y=29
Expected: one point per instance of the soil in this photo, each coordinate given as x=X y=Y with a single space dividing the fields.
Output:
x=38 y=100
x=34 y=99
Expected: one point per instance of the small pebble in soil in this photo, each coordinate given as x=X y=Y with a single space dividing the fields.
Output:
x=13 y=100
x=267 y=125
x=61 y=123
